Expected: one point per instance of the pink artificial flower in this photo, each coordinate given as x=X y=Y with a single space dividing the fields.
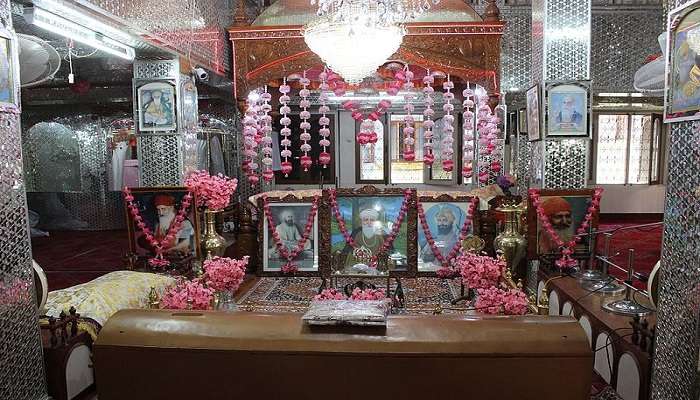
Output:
x=494 y=300
x=330 y=294
x=479 y=272
x=224 y=274
x=367 y=294
x=212 y=191
x=187 y=294
x=446 y=272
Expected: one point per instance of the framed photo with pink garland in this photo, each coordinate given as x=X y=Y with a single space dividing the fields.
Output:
x=371 y=220
x=445 y=217
x=159 y=207
x=566 y=210
x=289 y=237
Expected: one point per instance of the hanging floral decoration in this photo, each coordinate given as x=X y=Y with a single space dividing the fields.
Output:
x=487 y=126
x=325 y=157
x=158 y=245
x=409 y=153
x=464 y=231
x=468 y=134
x=388 y=241
x=567 y=249
x=289 y=266
x=266 y=128
x=305 y=125
x=250 y=142
x=285 y=121
x=366 y=134
x=447 y=152
x=428 y=123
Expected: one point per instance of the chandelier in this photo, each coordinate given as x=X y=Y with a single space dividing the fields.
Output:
x=355 y=37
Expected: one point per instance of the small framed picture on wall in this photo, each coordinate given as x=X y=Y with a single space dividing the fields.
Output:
x=568 y=109
x=682 y=100
x=533 y=113
x=8 y=73
x=156 y=105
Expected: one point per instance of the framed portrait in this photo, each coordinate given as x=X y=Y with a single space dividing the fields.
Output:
x=566 y=210
x=522 y=121
x=8 y=78
x=369 y=215
x=159 y=206
x=445 y=216
x=289 y=217
x=682 y=99
x=533 y=113
x=568 y=109
x=156 y=105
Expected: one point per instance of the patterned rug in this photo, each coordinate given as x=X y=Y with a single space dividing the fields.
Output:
x=294 y=294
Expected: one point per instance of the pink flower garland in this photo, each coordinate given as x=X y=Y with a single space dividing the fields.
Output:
x=388 y=241
x=250 y=142
x=158 y=245
x=567 y=249
x=305 y=136
x=487 y=126
x=212 y=191
x=480 y=272
x=324 y=158
x=289 y=267
x=494 y=300
x=187 y=294
x=464 y=231
x=285 y=121
x=409 y=153
x=367 y=133
x=224 y=274
x=447 y=127
x=428 y=123
x=468 y=134
x=266 y=120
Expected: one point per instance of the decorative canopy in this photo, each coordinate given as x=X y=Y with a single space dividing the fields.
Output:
x=451 y=37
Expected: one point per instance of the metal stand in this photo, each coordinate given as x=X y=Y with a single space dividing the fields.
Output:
x=600 y=281
x=589 y=274
x=628 y=306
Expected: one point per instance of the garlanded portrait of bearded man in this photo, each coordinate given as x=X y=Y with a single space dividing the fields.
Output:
x=369 y=238
x=558 y=210
x=446 y=236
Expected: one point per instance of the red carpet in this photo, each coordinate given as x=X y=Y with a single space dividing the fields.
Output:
x=646 y=243
x=73 y=257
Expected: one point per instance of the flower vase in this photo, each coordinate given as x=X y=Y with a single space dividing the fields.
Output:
x=213 y=244
x=224 y=301
x=510 y=242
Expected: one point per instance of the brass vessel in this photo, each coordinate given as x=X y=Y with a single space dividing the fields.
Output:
x=213 y=244
x=510 y=242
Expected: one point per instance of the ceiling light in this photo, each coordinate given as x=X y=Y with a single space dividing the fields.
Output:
x=59 y=25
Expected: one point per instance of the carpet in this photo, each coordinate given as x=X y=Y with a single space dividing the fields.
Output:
x=294 y=294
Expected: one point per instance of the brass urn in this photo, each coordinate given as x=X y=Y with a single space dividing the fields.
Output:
x=213 y=244
x=510 y=242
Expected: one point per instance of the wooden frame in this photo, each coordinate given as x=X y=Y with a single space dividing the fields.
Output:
x=193 y=218
x=573 y=88
x=443 y=198
x=410 y=219
x=534 y=99
x=674 y=76
x=533 y=222
x=319 y=247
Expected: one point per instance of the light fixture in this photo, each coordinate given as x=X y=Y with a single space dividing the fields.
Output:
x=62 y=26
x=355 y=37
x=353 y=49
